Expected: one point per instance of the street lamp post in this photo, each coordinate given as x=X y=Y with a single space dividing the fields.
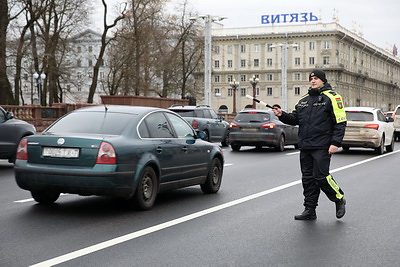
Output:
x=39 y=81
x=235 y=85
x=254 y=81
x=285 y=46
x=208 y=20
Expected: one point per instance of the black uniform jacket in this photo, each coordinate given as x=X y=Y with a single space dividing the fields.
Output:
x=321 y=118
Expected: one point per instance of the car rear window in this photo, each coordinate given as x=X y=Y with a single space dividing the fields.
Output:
x=184 y=113
x=359 y=116
x=252 y=117
x=92 y=122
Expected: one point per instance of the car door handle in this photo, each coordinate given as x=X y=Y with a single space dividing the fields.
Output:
x=184 y=149
x=159 y=150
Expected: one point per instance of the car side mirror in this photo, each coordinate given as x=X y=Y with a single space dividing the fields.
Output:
x=9 y=115
x=389 y=119
x=200 y=134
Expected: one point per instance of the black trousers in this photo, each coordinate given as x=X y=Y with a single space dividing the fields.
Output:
x=314 y=165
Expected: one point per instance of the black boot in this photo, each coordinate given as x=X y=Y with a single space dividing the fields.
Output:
x=340 y=208
x=307 y=214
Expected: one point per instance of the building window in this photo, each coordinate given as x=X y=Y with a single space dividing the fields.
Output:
x=79 y=75
x=297 y=61
x=79 y=63
x=79 y=49
x=90 y=62
x=297 y=91
x=269 y=62
x=269 y=91
x=230 y=63
x=256 y=48
x=325 y=60
x=217 y=92
x=296 y=47
x=216 y=49
x=297 y=76
x=217 y=78
x=216 y=64
x=311 y=46
x=326 y=45
x=230 y=78
x=243 y=63
x=257 y=91
x=269 y=47
x=256 y=62
x=101 y=75
x=311 y=61
x=90 y=49
x=243 y=91
x=230 y=49
x=230 y=92
x=269 y=77
x=243 y=78
x=242 y=48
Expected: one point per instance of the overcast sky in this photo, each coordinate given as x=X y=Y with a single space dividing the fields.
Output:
x=379 y=20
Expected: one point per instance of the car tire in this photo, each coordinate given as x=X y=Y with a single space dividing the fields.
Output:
x=381 y=148
x=281 y=144
x=390 y=147
x=45 y=197
x=147 y=189
x=235 y=147
x=225 y=141
x=214 y=178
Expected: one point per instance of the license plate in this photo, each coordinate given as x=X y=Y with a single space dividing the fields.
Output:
x=55 y=152
x=249 y=129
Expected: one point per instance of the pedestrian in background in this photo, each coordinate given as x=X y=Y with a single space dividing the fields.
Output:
x=322 y=121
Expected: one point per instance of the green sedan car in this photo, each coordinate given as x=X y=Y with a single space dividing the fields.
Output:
x=128 y=152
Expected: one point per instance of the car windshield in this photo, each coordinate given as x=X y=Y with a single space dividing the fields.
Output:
x=92 y=122
x=252 y=117
x=359 y=116
x=185 y=113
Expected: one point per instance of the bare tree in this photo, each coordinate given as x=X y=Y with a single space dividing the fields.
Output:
x=6 y=95
x=104 y=43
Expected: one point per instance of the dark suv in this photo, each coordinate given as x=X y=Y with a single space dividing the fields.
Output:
x=204 y=118
x=11 y=132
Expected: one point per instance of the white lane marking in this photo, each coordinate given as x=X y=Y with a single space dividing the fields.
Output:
x=158 y=227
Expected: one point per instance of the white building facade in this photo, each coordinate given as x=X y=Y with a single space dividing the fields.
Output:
x=362 y=73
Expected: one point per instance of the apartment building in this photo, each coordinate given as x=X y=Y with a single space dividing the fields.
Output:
x=362 y=73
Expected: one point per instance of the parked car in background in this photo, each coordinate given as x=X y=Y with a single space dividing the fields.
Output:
x=11 y=132
x=204 y=118
x=129 y=152
x=396 y=122
x=368 y=127
x=261 y=128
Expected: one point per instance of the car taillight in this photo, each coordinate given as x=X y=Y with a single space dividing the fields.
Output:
x=195 y=124
x=372 y=126
x=232 y=125
x=106 y=154
x=22 y=150
x=269 y=125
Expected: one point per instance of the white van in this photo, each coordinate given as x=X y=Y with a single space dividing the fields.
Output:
x=396 y=122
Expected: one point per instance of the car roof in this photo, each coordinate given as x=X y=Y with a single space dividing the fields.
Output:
x=119 y=108
x=366 y=109
x=189 y=107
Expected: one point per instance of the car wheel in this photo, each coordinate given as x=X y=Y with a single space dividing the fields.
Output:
x=235 y=147
x=390 y=147
x=45 y=197
x=225 y=141
x=206 y=136
x=147 y=189
x=381 y=148
x=281 y=143
x=214 y=178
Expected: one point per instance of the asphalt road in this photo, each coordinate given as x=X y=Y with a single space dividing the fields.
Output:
x=248 y=223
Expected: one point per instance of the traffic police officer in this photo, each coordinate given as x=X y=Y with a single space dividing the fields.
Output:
x=322 y=121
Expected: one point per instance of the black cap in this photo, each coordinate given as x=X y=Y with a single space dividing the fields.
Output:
x=318 y=73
